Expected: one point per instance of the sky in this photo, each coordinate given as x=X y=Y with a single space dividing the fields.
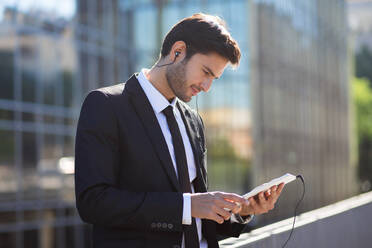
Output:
x=62 y=8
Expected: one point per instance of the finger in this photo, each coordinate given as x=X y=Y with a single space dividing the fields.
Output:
x=222 y=203
x=267 y=194
x=223 y=213
x=261 y=198
x=274 y=188
x=276 y=194
x=217 y=218
x=237 y=209
x=232 y=197
x=279 y=191
x=280 y=188
x=265 y=204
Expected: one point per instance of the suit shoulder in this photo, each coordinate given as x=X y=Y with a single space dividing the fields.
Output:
x=109 y=92
x=105 y=95
x=112 y=90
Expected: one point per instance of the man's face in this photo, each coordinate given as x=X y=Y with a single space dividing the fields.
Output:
x=187 y=78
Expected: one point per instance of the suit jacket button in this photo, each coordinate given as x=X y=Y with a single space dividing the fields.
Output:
x=170 y=226
x=153 y=225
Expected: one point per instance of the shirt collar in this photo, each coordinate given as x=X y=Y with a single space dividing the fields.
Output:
x=156 y=99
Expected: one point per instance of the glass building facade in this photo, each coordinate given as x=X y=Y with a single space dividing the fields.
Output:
x=301 y=100
x=285 y=109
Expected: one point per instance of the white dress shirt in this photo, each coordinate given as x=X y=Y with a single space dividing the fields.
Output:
x=159 y=103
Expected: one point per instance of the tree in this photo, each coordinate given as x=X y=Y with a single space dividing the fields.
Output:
x=362 y=100
x=363 y=66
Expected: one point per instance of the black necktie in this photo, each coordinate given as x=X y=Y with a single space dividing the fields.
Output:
x=190 y=231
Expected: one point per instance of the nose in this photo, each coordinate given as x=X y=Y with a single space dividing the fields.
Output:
x=206 y=85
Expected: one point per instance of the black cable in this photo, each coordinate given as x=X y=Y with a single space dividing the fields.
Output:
x=295 y=213
x=169 y=63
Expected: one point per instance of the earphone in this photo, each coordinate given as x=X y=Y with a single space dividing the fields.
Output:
x=177 y=53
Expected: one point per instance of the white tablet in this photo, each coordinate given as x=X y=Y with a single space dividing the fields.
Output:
x=286 y=178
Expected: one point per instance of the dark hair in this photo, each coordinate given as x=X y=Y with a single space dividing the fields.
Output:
x=203 y=34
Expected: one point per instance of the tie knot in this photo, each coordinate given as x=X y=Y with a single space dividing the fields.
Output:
x=168 y=111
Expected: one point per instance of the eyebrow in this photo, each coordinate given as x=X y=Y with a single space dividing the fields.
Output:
x=210 y=71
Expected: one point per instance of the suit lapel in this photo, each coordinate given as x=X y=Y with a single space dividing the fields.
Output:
x=194 y=137
x=146 y=113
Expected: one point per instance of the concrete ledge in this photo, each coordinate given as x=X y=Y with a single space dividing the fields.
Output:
x=342 y=224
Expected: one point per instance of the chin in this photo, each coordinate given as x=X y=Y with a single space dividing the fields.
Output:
x=185 y=98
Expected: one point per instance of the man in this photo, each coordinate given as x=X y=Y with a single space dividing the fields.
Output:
x=141 y=176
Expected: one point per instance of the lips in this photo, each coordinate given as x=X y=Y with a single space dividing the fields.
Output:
x=195 y=91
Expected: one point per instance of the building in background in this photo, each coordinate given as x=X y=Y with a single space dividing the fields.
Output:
x=37 y=126
x=285 y=109
x=360 y=22
x=300 y=97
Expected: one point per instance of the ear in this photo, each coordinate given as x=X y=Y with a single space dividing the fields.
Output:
x=178 y=50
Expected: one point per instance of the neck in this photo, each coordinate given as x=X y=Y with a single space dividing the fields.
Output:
x=157 y=78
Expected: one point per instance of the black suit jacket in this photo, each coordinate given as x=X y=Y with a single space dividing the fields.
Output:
x=125 y=182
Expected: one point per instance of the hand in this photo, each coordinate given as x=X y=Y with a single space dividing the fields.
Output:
x=211 y=205
x=262 y=202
